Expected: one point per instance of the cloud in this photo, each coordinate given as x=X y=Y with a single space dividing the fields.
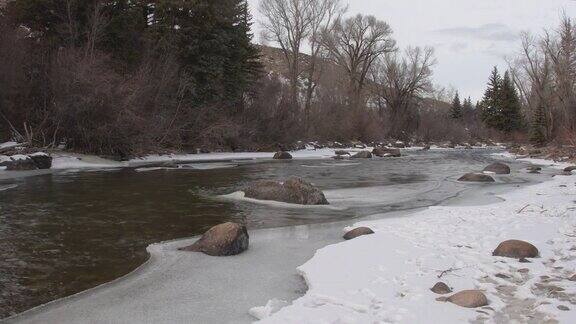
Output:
x=490 y=32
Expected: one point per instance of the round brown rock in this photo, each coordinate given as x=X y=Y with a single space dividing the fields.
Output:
x=362 y=155
x=360 y=231
x=516 y=249
x=468 y=299
x=441 y=288
x=222 y=240
x=292 y=191
x=282 y=156
x=498 y=168
x=476 y=177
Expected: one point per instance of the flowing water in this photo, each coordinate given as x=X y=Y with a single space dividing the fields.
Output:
x=65 y=232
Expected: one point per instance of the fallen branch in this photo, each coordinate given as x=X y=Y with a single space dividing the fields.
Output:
x=523 y=208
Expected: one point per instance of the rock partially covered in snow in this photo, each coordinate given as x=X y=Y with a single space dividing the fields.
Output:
x=341 y=152
x=476 y=177
x=498 y=168
x=292 y=191
x=20 y=163
x=282 y=156
x=516 y=249
x=570 y=169
x=42 y=160
x=441 y=288
x=362 y=155
x=386 y=152
x=222 y=240
x=360 y=231
x=467 y=298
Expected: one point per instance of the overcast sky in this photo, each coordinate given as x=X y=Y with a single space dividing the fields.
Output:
x=470 y=36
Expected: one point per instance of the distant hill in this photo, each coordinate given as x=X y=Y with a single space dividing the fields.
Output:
x=274 y=62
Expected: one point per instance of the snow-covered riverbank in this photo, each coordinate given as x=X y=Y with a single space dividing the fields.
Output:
x=386 y=277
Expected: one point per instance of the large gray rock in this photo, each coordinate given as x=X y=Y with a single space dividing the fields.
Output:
x=282 y=156
x=498 y=168
x=386 y=152
x=292 y=191
x=362 y=155
x=476 y=177
x=467 y=298
x=360 y=231
x=516 y=249
x=222 y=240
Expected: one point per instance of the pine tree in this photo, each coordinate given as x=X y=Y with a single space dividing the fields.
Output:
x=213 y=42
x=468 y=110
x=456 y=110
x=538 y=127
x=510 y=118
x=490 y=106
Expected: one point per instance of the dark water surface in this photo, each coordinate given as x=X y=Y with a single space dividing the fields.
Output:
x=65 y=232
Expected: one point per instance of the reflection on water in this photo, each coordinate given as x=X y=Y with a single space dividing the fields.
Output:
x=66 y=232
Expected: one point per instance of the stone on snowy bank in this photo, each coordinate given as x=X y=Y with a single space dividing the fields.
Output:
x=498 y=168
x=292 y=191
x=441 y=288
x=282 y=156
x=386 y=152
x=516 y=249
x=476 y=177
x=222 y=240
x=362 y=155
x=43 y=161
x=20 y=163
x=360 y=231
x=341 y=152
x=467 y=298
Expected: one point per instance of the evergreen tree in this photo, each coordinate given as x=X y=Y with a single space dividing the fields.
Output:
x=213 y=42
x=510 y=118
x=468 y=110
x=456 y=110
x=490 y=106
x=538 y=127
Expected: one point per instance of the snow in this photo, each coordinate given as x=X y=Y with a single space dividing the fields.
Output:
x=549 y=163
x=61 y=162
x=386 y=277
x=8 y=145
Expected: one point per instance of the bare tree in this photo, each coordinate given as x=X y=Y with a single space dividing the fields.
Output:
x=322 y=17
x=355 y=44
x=401 y=81
x=287 y=23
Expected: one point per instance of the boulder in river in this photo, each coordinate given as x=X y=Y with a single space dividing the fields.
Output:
x=498 y=168
x=360 y=231
x=362 y=155
x=282 y=155
x=516 y=249
x=222 y=240
x=386 y=152
x=476 y=177
x=292 y=191
x=467 y=298
x=441 y=288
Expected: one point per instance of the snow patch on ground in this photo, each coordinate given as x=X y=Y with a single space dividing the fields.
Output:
x=240 y=196
x=386 y=277
x=7 y=145
x=542 y=162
